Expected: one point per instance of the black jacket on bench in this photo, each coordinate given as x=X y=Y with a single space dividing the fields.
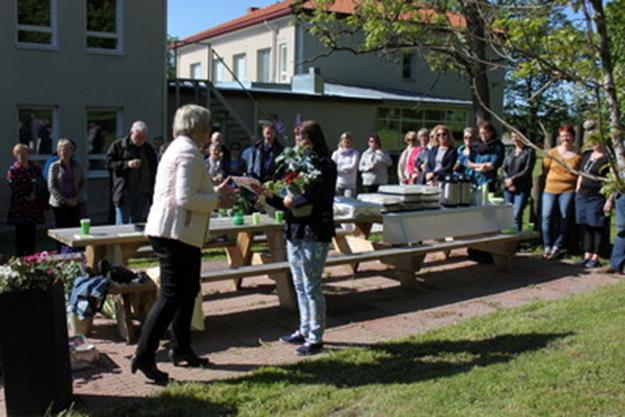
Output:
x=319 y=226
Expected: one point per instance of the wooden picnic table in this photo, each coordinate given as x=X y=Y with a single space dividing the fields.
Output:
x=118 y=243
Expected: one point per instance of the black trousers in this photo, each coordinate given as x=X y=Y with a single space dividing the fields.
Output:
x=593 y=237
x=67 y=216
x=25 y=239
x=371 y=188
x=180 y=283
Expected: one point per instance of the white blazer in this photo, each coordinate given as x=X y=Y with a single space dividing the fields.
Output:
x=183 y=195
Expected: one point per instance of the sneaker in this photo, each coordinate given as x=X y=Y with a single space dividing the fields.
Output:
x=556 y=253
x=582 y=263
x=293 y=338
x=593 y=263
x=547 y=253
x=309 y=349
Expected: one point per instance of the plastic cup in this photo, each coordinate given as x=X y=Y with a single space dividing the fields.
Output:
x=223 y=212
x=279 y=216
x=85 y=226
x=238 y=219
x=255 y=218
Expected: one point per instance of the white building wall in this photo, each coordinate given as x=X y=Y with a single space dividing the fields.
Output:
x=72 y=79
x=248 y=41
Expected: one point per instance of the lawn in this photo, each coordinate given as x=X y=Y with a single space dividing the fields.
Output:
x=564 y=358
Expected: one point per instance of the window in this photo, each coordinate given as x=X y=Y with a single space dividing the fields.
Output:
x=408 y=65
x=104 y=24
x=394 y=122
x=37 y=128
x=103 y=128
x=283 y=54
x=36 y=22
x=218 y=70
x=239 y=66
x=264 y=65
x=195 y=70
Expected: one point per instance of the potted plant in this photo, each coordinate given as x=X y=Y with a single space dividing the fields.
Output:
x=33 y=335
x=297 y=169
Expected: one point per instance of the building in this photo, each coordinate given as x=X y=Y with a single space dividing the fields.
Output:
x=83 y=70
x=268 y=53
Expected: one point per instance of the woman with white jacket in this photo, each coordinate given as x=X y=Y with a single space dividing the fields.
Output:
x=374 y=164
x=177 y=224
x=346 y=160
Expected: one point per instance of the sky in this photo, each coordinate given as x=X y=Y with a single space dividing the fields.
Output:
x=186 y=17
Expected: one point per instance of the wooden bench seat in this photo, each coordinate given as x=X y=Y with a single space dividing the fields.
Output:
x=406 y=260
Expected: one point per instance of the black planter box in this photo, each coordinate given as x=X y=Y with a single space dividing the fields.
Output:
x=35 y=354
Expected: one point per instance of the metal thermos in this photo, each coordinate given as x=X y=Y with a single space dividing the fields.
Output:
x=450 y=193
x=465 y=190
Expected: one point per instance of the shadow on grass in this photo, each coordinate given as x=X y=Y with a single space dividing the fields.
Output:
x=405 y=362
x=179 y=405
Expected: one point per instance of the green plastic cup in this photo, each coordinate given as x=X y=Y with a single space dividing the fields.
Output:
x=279 y=216
x=85 y=226
x=238 y=219
x=255 y=218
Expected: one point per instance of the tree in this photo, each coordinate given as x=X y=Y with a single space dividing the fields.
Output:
x=451 y=35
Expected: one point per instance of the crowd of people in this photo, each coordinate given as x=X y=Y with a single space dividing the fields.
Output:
x=175 y=188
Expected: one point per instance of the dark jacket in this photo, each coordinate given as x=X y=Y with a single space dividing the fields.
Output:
x=117 y=157
x=258 y=158
x=449 y=160
x=492 y=152
x=519 y=168
x=319 y=226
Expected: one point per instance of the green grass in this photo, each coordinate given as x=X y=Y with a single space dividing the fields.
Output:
x=563 y=358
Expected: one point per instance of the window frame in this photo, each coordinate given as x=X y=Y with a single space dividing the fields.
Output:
x=258 y=65
x=283 y=63
x=410 y=58
x=54 y=109
x=118 y=35
x=192 y=67
x=217 y=70
x=119 y=114
x=53 y=29
x=396 y=116
x=236 y=59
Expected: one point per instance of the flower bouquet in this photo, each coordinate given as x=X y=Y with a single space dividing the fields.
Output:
x=298 y=171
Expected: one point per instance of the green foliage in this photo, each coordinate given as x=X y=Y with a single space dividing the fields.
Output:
x=298 y=167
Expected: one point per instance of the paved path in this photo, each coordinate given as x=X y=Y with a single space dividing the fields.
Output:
x=242 y=327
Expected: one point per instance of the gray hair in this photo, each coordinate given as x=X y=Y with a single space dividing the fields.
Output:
x=423 y=132
x=470 y=130
x=139 y=127
x=191 y=119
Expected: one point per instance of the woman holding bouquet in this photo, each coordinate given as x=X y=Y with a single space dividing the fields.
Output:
x=308 y=240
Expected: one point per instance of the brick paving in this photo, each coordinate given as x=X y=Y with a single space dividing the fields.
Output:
x=242 y=326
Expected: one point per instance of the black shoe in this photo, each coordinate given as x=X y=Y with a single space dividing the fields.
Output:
x=309 y=349
x=592 y=263
x=191 y=359
x=148 y=369
x=104 y=267
x=582 y=263
x=293 y=338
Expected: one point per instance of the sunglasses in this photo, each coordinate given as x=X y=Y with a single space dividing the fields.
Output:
x=438 y=135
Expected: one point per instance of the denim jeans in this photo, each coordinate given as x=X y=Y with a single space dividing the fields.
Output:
x=133 y=208
x=563 y=201
x=519 y=201
x=307 y=259
x=617 y=259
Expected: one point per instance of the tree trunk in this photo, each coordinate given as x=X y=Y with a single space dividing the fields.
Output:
x=607 y=69
x=477 y=70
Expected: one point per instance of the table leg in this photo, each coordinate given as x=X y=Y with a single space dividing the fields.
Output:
x=94 y=254
x=363 y=229
x=240 y=254
x=341 y=246
x=405 y=268
x=502 y=253
x=284 y=283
